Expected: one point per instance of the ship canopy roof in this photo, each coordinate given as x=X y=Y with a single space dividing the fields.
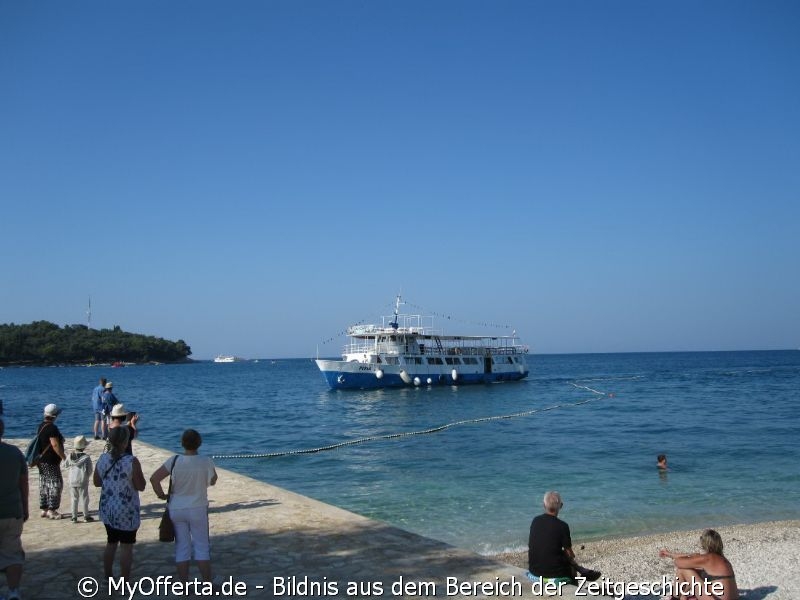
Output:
x=372 y=331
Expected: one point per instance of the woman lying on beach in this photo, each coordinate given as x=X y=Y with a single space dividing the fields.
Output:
x=704 y=570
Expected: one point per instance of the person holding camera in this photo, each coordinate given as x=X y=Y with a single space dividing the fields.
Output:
x=120 y=417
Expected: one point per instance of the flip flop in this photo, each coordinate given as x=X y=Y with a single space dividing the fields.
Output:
x=54 y=515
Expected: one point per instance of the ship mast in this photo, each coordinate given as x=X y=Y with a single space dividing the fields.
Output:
x=397 y=304
x=89 y=314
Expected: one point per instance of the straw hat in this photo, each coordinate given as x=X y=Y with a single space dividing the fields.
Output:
x=119 y=411
x=80 y=442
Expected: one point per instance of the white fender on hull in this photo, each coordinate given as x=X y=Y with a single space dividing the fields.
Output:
x=454 y=374
x=417 y=381
x=405 y=376
x=379 y=373
x=430 y=381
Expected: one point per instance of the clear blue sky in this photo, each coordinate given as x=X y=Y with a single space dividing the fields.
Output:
x=253 y=176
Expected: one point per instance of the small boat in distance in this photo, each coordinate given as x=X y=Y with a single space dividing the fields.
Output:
x=223 y=358
x=404 y=352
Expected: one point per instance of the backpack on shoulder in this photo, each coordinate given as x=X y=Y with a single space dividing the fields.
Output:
x=34 y=451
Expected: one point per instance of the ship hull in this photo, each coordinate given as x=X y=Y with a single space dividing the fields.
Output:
x=341 y=375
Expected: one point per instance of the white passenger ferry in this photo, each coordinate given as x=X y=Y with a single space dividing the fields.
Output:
x=405 y=350
x=225 y=358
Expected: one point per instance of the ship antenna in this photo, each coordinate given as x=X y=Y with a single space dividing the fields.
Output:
x=89 y=314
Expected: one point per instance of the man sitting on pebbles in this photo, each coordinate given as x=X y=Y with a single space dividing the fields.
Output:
x=550 y=554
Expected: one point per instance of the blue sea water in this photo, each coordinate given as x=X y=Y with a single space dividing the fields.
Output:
x=589 y=426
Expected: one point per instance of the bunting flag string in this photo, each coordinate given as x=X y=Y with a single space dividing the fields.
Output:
x=342 y=333
x=426 y=313
x=457 y=320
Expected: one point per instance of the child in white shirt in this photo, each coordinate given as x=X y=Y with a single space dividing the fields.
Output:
x=80 y=473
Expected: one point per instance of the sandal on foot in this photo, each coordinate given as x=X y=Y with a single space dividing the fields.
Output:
x=54 y=514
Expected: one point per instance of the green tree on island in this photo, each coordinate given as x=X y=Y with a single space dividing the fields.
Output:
x=45 y=343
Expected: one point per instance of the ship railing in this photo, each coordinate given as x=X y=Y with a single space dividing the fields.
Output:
x=432 y=350
x=373 y=330
x=433 y=346
x=411 y=323
x=359 y=349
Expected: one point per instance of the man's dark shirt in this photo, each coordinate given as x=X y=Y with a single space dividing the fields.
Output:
x=548 y=538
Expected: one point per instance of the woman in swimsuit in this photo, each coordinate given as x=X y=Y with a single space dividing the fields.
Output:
x=704 y=570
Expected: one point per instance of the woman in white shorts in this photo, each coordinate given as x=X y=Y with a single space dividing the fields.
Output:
x=188 y=503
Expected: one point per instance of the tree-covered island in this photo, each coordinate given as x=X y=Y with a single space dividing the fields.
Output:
x=45 y=343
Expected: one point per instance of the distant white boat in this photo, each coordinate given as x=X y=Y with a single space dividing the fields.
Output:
x=223 y=358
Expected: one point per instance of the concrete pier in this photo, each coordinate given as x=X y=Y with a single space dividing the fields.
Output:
x=267 y=543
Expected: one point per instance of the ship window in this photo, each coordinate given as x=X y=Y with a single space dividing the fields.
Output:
x=392 y=360
x=469 y=360
x=453 y=361
x=435 y=360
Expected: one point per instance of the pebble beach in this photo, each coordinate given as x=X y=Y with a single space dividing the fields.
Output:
x=268 y=542
x=764 y=556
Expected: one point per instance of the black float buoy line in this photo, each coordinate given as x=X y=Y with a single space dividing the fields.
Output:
x=392 y=436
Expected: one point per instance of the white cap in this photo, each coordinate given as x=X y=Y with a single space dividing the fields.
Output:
x=51 y=410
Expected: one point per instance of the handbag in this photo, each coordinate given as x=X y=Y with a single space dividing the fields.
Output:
x=166 y=529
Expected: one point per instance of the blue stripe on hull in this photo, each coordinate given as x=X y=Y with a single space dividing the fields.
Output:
x=360 y=381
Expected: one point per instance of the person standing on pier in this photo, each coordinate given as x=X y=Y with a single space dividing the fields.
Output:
x=13 y=512
x=191 y=476
x=97 y=407
x=121 y=479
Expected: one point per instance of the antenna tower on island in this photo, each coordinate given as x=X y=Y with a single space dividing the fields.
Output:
x=89 y=314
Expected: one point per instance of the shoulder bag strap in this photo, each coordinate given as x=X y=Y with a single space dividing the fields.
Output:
x=116 y=460
x=48 y=445
x=172 y=468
